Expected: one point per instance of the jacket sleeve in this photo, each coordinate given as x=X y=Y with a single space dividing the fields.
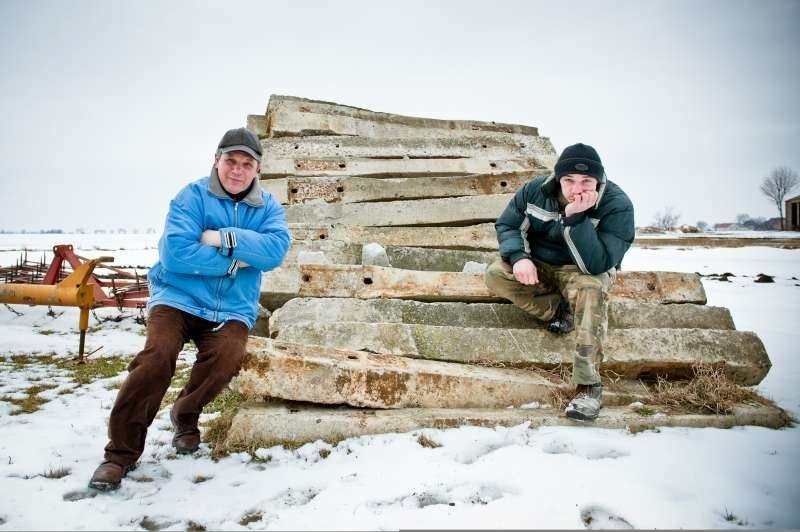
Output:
x=596 y=250
x=180 y=249
x=263 y=248
x=512 y=228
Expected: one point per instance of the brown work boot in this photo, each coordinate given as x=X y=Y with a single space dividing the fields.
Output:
x=108 y=476
x=186 y=440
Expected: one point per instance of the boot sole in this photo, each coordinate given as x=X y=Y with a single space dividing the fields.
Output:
x=104 y=486
x=101 y=485
x=184 y=450
x=578 y=416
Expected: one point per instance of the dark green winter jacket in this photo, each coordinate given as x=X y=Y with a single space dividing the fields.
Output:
x=533 y=225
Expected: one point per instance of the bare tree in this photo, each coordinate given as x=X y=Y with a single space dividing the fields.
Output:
x=666 y=219
x=777 y=185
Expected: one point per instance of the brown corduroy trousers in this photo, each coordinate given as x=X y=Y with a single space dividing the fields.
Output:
x=220 y=354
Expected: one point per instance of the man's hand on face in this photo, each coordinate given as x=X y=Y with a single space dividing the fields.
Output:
x=525 y=271
x=581 y=202
x=211 y=238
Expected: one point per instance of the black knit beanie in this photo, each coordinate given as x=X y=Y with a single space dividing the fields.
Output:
x=579 y=159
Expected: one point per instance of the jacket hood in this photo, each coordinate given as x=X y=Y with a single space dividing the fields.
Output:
x=254 y=198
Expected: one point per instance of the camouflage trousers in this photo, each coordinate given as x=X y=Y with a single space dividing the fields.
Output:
x=588 y=299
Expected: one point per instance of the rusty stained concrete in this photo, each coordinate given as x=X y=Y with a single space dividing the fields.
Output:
x=336 y=376
x=629 y=353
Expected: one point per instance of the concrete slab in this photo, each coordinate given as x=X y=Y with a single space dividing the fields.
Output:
x=481 y=237
x=262 y=425
x=443 y=211
x=388 y=168
x=629 y=353
x=622 y=314
x=439 y=260
x=337 y=252
x=368 y=282
x=294 y=190
x=486 y=145
x=334 y=376
x=292 y=116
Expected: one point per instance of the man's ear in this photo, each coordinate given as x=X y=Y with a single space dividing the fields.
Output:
x=216 y=159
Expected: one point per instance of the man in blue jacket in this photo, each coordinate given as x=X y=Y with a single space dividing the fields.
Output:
x=221 y=232
x=567 y=231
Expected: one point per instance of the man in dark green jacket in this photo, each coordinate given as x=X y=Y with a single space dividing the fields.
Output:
x=562 y=238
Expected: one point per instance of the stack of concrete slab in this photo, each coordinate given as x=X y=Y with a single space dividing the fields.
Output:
x=381 y=321
x=364 y=172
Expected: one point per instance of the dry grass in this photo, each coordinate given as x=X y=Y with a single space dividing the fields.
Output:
x=427 y=442
x=250 y=518
x=169 y=398
x=561 y=395
x=57 y=472
x=194 y=526
x=708 y=392
x=216 y=432
x=32 y=402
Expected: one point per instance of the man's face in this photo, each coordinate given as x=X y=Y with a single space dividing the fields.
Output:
x=574 y=184
x=236 y=170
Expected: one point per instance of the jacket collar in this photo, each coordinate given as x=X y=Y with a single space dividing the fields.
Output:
x=254 y=198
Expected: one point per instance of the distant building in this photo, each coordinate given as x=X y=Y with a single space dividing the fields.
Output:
x=792 y=213
x=774 y=223
x=733 y=226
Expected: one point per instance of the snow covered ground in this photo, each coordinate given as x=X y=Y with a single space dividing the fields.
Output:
x=478 y=478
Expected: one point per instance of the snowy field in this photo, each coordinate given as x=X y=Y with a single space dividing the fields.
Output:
x=559 y=477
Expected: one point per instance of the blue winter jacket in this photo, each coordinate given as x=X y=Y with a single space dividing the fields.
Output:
x=211 y=282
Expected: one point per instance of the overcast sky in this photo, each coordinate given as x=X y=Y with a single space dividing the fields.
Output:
x=109 y=107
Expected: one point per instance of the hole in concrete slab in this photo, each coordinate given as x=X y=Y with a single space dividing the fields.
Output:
x=322 y=237
x=297 y=146
x=273 y=334
x=521 y=144
x=294 y=191
x=503 y=184
x=493 y=165
x=342 y=165
x=337 y=145
x=352 y=357
x=339 y=189
x=297 y=165
x=651 y=286
x=306 y=278
x=483 y=145
x=367 y=280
